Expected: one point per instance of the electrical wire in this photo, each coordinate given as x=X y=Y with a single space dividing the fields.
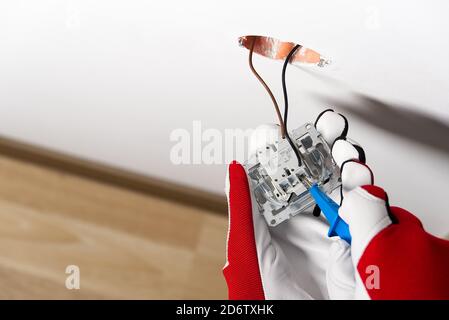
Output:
x=284 y=89
x=276 y=106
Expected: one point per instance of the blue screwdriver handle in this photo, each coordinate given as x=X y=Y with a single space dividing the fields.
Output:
x=330 y=210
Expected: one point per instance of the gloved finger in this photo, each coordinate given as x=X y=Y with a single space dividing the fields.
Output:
x=242 y=270
x=334 y=127
x=340 y=271
x=364 y=207
x=350 y=157
x=366 y=210
x=331 y=125
x=344 y=149
x=354 y=174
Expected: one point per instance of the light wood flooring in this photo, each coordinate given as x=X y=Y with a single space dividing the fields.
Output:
x=127 y=245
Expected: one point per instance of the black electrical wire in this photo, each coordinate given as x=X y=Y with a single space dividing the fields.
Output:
x=284 y=89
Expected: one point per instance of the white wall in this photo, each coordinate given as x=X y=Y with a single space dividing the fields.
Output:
x=109 y=80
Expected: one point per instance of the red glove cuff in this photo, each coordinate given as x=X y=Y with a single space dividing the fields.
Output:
x=242 y=268
x=410 y=263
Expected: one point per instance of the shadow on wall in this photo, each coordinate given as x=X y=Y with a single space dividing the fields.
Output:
x=399 y=120
x=415 y=126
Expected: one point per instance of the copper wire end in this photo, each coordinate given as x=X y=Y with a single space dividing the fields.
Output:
x=278 y=50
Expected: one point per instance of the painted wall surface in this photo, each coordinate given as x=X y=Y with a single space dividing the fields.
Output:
x=111 y=80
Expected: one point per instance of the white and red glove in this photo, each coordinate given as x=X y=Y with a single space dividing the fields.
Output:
x=391 y=256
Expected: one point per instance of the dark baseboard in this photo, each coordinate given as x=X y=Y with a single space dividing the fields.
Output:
x=111 y=175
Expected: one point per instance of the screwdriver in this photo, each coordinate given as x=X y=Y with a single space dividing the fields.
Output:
x=338 y=227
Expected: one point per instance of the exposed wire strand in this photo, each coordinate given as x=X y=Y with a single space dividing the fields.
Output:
x=276 y=106
x=284 y=89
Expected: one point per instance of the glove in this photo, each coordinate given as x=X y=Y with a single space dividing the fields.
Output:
x=391 y=255
x=288 y=261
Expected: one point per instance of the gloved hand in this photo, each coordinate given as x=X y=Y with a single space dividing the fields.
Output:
x=290 y=260
x=391 y=256
x=394 y=257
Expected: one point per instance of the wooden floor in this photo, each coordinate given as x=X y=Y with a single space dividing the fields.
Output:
x=127 y=245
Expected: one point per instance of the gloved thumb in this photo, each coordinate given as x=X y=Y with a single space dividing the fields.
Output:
x=340 y=272
x=364 y=206
x=365 y=209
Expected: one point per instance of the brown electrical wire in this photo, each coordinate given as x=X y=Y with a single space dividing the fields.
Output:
x=276 y=106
